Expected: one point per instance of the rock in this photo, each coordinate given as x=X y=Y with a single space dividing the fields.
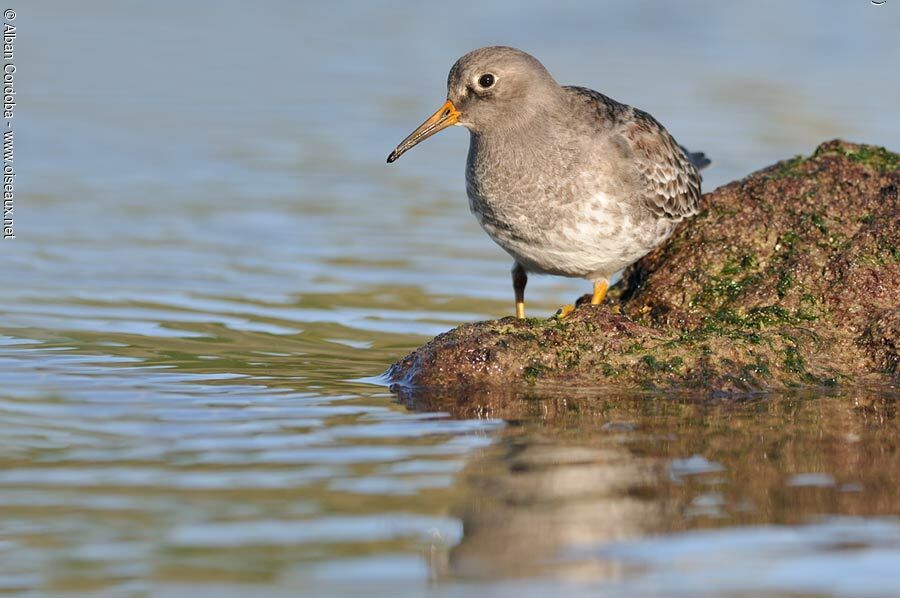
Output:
x=789 y=277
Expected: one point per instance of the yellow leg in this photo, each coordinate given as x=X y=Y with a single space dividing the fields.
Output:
x=600 y=287
x=565 y=310
x=519 y=280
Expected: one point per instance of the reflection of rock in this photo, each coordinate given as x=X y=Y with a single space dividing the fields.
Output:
x=788 y=277
x=573 y=474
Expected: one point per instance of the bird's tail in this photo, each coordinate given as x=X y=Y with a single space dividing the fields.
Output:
x=698 y=159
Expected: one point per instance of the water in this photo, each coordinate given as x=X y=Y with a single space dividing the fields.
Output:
x=213 y=265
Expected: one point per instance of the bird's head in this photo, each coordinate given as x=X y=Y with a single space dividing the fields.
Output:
x=490 y=89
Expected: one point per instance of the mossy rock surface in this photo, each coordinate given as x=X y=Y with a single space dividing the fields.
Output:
x=789 y=277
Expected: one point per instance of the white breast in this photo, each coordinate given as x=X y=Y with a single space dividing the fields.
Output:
x=592 y=238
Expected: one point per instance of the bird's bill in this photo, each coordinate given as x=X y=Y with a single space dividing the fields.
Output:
x=445 y=116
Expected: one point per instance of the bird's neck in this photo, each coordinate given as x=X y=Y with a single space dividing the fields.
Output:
x=520 y=141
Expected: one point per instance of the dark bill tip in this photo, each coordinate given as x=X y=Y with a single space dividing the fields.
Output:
x=393 y=156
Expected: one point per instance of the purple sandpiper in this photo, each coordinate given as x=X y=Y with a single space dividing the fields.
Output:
x=565 y=179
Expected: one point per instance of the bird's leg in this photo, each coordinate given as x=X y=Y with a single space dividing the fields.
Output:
x=565 y=310
x=600 y=287
x=519 y=280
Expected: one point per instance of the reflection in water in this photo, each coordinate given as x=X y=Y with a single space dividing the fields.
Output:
x=616 y=488
x=542 y=496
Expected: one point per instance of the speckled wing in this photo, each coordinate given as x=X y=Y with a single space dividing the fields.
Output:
x=669 y=174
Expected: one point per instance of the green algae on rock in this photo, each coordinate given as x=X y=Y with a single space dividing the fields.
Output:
x=789 y=277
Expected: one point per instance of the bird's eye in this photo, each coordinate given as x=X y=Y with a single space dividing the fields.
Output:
x=486 y=80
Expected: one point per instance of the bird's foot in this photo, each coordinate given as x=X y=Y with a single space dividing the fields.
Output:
x=564 y=311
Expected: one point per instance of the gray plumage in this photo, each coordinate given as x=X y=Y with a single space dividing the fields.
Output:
x=565 y=179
